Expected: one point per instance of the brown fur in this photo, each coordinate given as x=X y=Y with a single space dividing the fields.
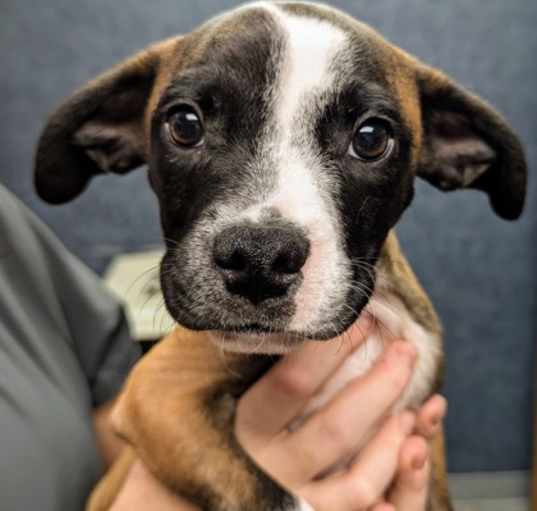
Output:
x=439 y=492
x=403 y=283
x=165 y=53
x=164 y=406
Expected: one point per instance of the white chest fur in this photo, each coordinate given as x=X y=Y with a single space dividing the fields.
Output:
x=393 y=321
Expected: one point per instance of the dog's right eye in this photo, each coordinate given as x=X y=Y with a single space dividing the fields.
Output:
x=185 y=127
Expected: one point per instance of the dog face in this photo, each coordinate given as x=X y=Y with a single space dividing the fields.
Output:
x=282 y=141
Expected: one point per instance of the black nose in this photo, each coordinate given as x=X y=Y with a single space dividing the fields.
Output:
x=260 y=262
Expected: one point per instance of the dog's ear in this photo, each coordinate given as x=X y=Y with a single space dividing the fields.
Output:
x=467 y=144
x=97 y=130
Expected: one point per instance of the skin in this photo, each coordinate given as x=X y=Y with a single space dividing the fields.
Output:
x=392 y=470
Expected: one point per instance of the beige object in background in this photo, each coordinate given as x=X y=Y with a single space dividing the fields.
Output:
x=134 y=279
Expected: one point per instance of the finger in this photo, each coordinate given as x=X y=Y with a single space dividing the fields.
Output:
x=411 y=487
x=365 y=483
x=431 y=415
x=345 y=424
x=270 y=404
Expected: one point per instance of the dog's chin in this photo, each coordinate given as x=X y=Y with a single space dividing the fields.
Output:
x=266 y=336
x=259 y=339
x=256 y=341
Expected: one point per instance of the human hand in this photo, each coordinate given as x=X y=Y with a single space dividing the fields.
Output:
x=393 y=457
x=393 y=466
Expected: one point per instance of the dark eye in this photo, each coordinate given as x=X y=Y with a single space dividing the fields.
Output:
x=185 y=126
x=372 y=140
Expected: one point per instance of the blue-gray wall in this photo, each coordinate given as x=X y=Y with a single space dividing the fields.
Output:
x=477 y=268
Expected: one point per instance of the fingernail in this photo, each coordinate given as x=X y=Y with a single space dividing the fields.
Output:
x=435 y=421
x=406 y=422
x=418 y=461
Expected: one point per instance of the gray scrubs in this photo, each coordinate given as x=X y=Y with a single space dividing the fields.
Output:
x=64 y=348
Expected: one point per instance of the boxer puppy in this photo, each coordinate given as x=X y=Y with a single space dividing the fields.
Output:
x=282 y=141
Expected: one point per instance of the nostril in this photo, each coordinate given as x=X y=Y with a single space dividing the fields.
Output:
x=282 y=264
x=235 y=261
x=230 y=251
x=286 y=263
x=292 y=257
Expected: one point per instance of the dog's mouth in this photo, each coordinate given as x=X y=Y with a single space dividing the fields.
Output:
x=271 y=338
x=264 y=330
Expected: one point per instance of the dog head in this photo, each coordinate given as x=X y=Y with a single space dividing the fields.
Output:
x=282 y=141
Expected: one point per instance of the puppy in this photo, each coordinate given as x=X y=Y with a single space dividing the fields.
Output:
x=282 y=141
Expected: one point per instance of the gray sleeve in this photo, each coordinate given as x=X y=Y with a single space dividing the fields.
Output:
x=88 y=317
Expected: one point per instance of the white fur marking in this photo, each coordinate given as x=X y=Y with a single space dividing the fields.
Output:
x=303 y=506
x=396 y=322
x=311 y=46
x=303 y=191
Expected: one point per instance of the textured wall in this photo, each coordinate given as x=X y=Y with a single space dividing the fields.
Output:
x=476 y=267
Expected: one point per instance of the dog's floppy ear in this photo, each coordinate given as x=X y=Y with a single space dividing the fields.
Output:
x=97 y=130
x=467 y=144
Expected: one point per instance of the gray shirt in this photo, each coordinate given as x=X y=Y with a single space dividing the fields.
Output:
x=64 y=349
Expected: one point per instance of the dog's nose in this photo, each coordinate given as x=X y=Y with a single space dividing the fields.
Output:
x=260 y=262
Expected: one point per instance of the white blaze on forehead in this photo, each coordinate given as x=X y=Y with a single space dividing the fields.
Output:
x=304 y=192
x=311 y=45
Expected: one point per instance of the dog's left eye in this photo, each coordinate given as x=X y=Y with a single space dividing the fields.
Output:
x=185 y=126
x=372 y=140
